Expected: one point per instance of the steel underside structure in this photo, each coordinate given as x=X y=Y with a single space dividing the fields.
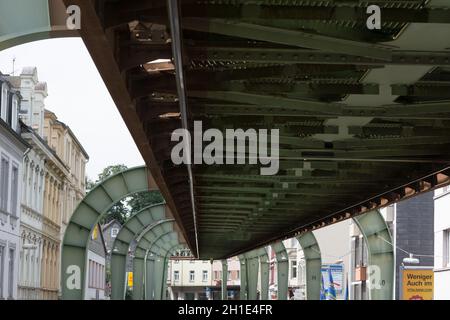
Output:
x=364 y=115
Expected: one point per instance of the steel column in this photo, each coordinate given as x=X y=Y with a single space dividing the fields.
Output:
x=264 y=274
x=313 y=261
x=381 y=254
x=224 y=279
x=130 y=230
x=243 y=295
x=87 y=215
x=282 y=270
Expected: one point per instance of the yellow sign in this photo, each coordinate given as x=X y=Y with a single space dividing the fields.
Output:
x=95 y=233
x=130 y=279
x=417 y=284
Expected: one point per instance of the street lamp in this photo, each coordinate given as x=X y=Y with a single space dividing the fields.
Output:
x=411 y=260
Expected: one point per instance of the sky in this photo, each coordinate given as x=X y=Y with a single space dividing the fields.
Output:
x=79 y=98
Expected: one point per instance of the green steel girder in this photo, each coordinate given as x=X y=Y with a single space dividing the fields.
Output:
x=224 y=284
x=381 y=254
x=155 y=240
x=349 y=13
x=287 y=37
x=155 y=282
x=282 y=258
x=313 y=261
x=133 y=227
x=289 y=56
x=89 y=212
x=39 y=20
x=243 y=294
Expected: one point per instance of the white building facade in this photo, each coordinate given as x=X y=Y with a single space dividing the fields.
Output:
x=12 y=149
x=442 y=244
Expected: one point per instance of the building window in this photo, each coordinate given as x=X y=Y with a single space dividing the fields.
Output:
x=446 y=248
x=4 y=101
x=229 y=275
x=4 y=184
x=176 y=275
x=2 y=263
x=205 y=276
x=294 y=269
x=191 y=276
x=14 y=190
x=11 y=273
x=238 y=275
x=15 y=112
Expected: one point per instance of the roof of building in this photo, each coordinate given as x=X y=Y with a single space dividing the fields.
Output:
x=27 y=129
x=29 y=71
x=65 y=126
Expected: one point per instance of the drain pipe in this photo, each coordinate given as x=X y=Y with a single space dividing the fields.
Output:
x=175 y=29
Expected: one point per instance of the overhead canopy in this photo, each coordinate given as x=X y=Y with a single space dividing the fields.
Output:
x=363 y=115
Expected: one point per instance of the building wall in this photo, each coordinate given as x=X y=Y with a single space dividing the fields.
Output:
x=53 y=184
x=95 y=285
x=442 y=244
x=12 y=149
x=414 y=232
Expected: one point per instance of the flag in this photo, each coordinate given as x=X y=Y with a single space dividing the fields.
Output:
x=346 y=288
x=322 y=290
x=331 y=292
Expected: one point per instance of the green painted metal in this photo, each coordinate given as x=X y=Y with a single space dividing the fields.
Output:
x=152 y=240
x=23 y=21
x=92 y=208
x=381 y=254
x=264 y=273
x=282 y=269
x=130 y=230
x=243 y=295
x=224 y=279
x=160 y=280
x=287 y=37
x=252 y=263
x=313 y=260
x=34 y=22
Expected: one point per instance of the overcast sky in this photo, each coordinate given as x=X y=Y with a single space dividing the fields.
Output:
x=78 y=96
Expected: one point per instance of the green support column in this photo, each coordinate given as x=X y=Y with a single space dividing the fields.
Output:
x=159 y=242
x=157 y=251
x=264 y=274
x=224 y=279
x=252 y=262
x=381 y=254
x=138 y=274
x=157 y=277
x=133 y=227
x=87 y=215
x=313 y=261
x=243 y=295
x=148 y=283
x=282 y=270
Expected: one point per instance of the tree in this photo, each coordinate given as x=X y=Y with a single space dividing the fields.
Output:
x=119 y=211
x=122 y=210
x=141 y=200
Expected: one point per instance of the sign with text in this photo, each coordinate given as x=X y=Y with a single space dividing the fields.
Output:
x=417 y=284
